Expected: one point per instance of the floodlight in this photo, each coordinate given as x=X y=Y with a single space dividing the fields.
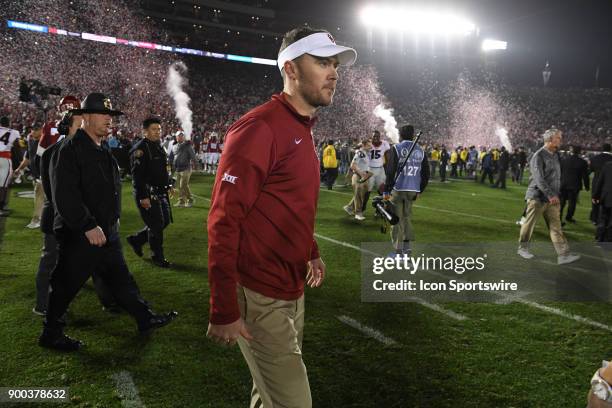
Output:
x=490 y=45
x=416 y=21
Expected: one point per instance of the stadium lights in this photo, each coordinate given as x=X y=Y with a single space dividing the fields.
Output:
x=491 y=45
x=416 y=21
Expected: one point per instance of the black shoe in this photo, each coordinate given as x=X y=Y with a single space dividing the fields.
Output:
x=157 y=321
x=570 y=220
x=563 y=224
x=135 y=246
x=161 y=262
x=59 y=342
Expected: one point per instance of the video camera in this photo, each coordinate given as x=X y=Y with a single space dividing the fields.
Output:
x=32 y=90
x=385 y=209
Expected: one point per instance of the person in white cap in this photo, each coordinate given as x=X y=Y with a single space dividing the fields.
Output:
x=261 y=247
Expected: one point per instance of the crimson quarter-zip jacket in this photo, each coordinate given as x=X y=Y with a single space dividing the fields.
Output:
x=264 y=201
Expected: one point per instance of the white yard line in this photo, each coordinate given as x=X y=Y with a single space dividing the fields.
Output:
x=462 y=214
x=535 y=305
x=368 y=331
x=127 y=390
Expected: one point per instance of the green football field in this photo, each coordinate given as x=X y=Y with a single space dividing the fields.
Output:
x=358 y=354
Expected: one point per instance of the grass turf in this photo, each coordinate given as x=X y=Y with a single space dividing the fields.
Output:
x=501 y=356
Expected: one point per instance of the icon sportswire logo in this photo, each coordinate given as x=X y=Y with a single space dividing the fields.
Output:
x=297 y=141
x=229 y=178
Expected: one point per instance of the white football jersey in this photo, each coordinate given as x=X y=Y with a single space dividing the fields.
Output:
x=377 y=154
x=7 y=138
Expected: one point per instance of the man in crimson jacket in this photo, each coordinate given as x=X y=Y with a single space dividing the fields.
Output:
x=261 y=248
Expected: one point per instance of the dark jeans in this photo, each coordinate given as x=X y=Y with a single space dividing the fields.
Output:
x=453 y=170
x=78 y=260
x=156 y=219
x=570 y=197
x=330 y=177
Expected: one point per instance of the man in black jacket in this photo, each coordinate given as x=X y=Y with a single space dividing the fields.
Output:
x=602 y=197
x=574 y=173
x=597 y=164
x=86 y=193
x=149 y=168
x=503 y=164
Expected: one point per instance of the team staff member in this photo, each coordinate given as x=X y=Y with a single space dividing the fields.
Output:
x=86 y=193
x=30 y=160
x=330 y=164
x=151 y=190
x=542 y=198
x=68 y=125
x=261 y=248
x=411 y=182
x=360 y=167
x=182 y=156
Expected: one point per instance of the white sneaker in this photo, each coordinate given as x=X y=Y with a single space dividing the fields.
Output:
x=359 y=217
x=349 y=210
x=189 y=204
x=524 y=253
x=33 y=225
x=521 y=221
x=566 y=259
x=179 y=204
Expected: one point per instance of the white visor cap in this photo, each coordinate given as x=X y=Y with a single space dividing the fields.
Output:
x=319 y=45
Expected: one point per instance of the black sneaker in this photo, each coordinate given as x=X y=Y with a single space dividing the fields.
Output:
x=59 y=342
x=161 y=262
x=112 y=309
x=156 y=321
x=39 y=312
x=135 y=246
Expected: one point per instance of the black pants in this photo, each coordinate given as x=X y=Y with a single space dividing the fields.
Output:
x=453 y=170
x=78 y=260
x=330 y=177
x=571 y=198
x=487 y=172
x=156 y=219
x=48 y=260
x=443 y=172
x=595 y=213
x=501 y=179
x=603 y=232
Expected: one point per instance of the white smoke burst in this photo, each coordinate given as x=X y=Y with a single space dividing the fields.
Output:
x=502 y=133
x=390 y=123
x=174 y=87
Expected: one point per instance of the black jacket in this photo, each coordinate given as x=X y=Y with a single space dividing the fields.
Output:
x=574 y=173
x=149 y=165
x=597 y=163
x=85 y=187
x=48 y=213
x=504 y=160
x=602 y=189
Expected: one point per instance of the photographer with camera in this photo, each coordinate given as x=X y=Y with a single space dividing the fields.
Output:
x=407 y=177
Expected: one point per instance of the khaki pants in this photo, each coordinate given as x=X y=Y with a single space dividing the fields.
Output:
x=402 y=231
x=183 y=186
x=274 y=356
x=536 y=209
x=359 y=193
x=39 y=197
